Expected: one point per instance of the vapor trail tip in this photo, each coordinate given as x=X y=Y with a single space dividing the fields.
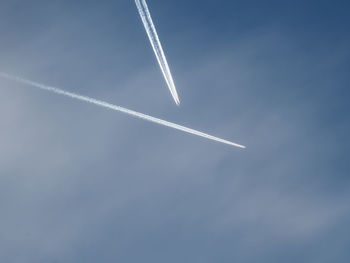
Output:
x=239 y=146
x=176 y=99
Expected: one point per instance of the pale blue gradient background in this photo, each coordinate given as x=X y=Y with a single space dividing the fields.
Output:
x=79 y=183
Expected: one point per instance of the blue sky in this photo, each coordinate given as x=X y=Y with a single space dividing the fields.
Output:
x=79 y=183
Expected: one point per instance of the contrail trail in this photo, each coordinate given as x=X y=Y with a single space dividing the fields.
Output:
x=117 y=108
x=157 y=46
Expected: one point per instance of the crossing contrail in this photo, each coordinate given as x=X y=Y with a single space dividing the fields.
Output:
x=117 y=108
x=157 y=46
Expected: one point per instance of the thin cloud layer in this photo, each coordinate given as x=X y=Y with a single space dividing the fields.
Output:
x=79 y=183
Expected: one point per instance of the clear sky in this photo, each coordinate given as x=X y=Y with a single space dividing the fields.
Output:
x=79 y=183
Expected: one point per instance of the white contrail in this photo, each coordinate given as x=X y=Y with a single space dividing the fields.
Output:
x=157 y=46
x=117 y=108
